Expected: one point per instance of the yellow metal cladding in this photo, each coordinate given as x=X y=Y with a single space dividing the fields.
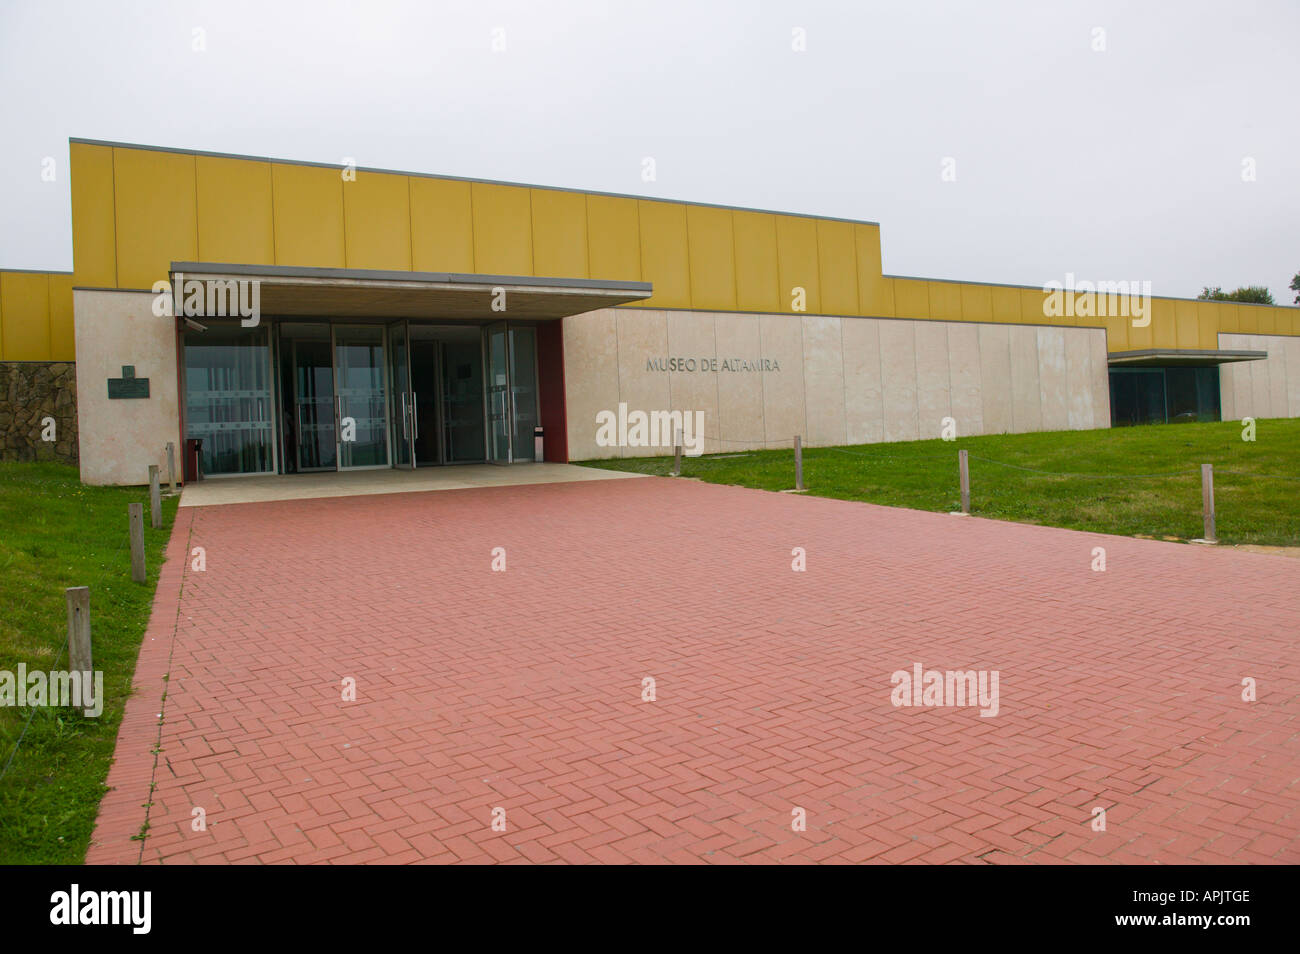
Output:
x=442 y=226
x=559 y=233
x=308 y=209
x=503 y=234
x=664 y=254
x=157 y=222
x=234 y=211
x=136 y=210
x=757 y=283
x=377 y=221
x=94 y=228
x=616 y=253
x=945 y=301
x=62 y=340
x=712 y=266
x=837 y=267
x=797 y=265
x=875 y=292
x=35 y=316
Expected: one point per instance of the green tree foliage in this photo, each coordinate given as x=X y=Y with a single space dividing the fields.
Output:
x=1251 y=294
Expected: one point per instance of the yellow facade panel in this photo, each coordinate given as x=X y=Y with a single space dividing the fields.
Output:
x=712 y=253
x=1267 y=320
x=664 y=258
x=616 y=254
x=1225 y=318
x=442 y=226
x=945 y=300
x=976 y=302
x=62 y=337
x=911 y=298
x=503 y=229
x=1116 y=332
x=837 y=267
x=1162 y=328
x=559 y=234
x=1142 y=337
x=156 y=214
x=94 y=236
x=1006 y=305
x=308 y=216
x=1206 y=325
x=25 y=315
x=1034 y=307
x=234 y=211
x=377 y=221
x=757 y=282
x=875 y=292
x=1175 y=320
x=797 y=266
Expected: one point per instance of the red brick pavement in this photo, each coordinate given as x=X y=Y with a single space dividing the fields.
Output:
x=523 y=690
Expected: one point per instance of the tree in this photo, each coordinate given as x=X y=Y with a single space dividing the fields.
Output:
x=1251 y=294
x=1295 y=287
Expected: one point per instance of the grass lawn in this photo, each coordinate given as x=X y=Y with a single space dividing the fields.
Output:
x=58 y=533
x=1120 y=499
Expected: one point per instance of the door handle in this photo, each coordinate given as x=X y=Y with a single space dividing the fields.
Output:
x=415 y=413
x=404 y=413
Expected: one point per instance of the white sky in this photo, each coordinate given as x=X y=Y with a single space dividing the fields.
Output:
x=1122 y=164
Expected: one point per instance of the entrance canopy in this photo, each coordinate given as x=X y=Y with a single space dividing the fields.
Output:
x=1181 y=357
x=369 y=293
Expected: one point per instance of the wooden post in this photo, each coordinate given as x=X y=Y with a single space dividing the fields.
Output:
x=171 y=466
x=677 y=445
x=798 y=462
x=79 y=653
x=135 y=512
x=1207 y=501
x=155 y=498
x=963 y=464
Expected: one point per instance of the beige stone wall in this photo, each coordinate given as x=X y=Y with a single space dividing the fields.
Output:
x=1266 y=388
x=840 y=380
x=119 y=439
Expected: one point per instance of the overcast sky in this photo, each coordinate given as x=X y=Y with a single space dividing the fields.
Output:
x=1119 y=163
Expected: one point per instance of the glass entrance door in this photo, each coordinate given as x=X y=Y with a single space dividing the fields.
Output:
x=405 y=417
x=228 y=400
x=496 y=346
x=308 y=433
x=360 y=396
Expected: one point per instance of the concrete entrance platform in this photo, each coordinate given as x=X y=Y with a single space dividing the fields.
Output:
x=358 y=483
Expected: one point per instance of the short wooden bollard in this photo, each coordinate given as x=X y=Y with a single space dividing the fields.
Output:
x=798 y=462
x=171 y=466
x=155 y=498
x=677 y=452
x=963 y=465
x=1207 y=502
x=80 y=658
x=135 y=512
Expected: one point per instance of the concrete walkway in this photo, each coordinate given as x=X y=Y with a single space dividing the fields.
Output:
x=521 y=697
x=354 y=483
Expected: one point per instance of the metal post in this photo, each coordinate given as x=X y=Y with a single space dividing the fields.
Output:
x=963 y=464
x=135 y=512
x=798 y=462
x=677 y=445
x=1207 y=501
x=155 y=498
x=171 y=465
x=79 y=654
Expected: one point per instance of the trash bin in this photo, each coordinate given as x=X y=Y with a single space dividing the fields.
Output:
x=193 y=459
x=539 y=453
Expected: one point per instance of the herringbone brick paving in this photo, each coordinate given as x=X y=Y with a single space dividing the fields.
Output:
x=522 y=689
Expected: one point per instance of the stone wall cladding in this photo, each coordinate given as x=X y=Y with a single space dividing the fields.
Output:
x=31 y=391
